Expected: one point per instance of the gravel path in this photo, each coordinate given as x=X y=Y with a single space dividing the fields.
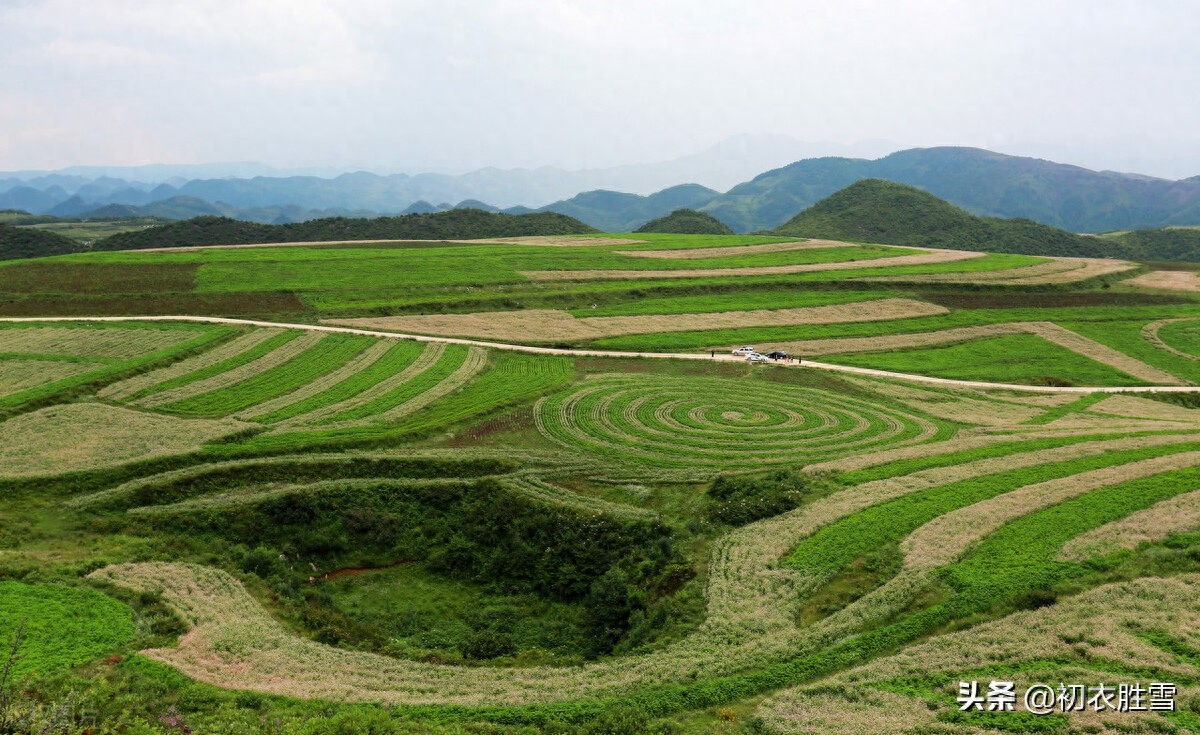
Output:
x=948 y=382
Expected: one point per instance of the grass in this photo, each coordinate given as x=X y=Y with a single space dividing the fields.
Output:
x=259 y=350
x=93 y=341
x=329 y=354
x=72 y=386
x=1018 y=358
x=421 y=614
x=394 y=361
x=709 y=422
x=64 y=626
x=834 y=547
x=449 y=361
x=608 y=438
x=1126 y=337
x=1183 y=336
x=81 y=436
x=676 y=341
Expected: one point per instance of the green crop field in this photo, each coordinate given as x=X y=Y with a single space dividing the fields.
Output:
x=297 y=526
x=1016 y=359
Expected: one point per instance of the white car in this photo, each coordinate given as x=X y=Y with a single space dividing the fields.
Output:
x=747 y=350
x=755 y=357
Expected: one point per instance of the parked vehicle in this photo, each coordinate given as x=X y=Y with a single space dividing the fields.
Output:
x=777 y=355
x=755 y=357
x=744 y=350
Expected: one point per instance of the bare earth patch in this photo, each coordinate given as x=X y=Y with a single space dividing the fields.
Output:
x=927 y=257
x=1168 y=280
x=735 y=250
x=84 y=436
x=1179 y=514
x=549 y=325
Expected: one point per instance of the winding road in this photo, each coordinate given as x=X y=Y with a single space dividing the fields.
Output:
x=948 y=382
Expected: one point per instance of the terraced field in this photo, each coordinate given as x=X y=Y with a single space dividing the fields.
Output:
x=294 y=525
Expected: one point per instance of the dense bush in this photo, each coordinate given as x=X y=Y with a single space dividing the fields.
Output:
x=739 y=499
x=26 y=242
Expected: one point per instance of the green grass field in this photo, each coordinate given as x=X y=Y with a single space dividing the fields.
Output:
x=271 y=530
x=1020 y=358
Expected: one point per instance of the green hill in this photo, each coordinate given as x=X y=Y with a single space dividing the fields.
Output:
x=687 y=222
x=26 y=242
x=455 y=224
x=873 y=210
x=1172 y=243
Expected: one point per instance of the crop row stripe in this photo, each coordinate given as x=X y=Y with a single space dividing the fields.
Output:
x=126 y=388
x=361 y=361
x=428 y=358
x=272 y=359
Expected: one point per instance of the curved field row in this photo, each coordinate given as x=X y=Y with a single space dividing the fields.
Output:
x=734 y=250
x=418 y=361
x=1057 y=270
x=271 y=409
x=473 y=362
x=282 y=355
x=126 y=389
x=1180 y=514
x=928 y=257
x=324 y=356
x=549 y=325
x=712 y=422
x=1052 y=265
x=1093 y=637
x=397 y=358
x=751 y=604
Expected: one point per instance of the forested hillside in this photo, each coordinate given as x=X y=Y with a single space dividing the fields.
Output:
x=453 y=224
x=26 y=242
x=883 y=212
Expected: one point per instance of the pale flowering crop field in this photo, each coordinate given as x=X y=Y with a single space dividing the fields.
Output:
x=295 y=527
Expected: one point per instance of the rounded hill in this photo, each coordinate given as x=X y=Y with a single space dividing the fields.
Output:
x=873 y=210
x=687 y=222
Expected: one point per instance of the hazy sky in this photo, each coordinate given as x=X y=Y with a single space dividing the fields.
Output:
x=453 y=85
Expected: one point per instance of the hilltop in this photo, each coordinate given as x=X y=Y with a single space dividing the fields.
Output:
x=454 y=224
x=687 y=222
x=873 y=210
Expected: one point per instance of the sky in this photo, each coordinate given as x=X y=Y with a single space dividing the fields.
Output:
x=456 y=85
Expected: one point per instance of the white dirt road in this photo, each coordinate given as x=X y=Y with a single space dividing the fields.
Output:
x=948 y=382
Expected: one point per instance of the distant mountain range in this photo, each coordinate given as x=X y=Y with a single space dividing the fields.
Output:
x=981 y=182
